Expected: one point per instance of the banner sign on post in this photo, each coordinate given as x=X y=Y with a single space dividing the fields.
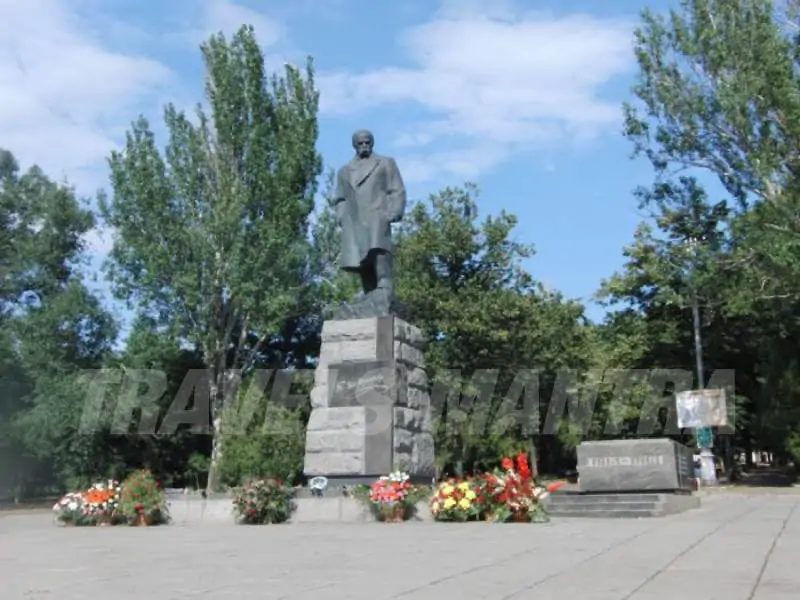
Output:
x=699 y=409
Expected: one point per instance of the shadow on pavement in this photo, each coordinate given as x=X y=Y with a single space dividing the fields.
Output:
x=767 y=477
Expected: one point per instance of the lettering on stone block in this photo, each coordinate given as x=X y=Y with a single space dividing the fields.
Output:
x=626 y=461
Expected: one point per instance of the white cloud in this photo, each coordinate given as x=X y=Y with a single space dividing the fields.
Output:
x=64 y=94
x=494 y=83
x=407 y=139
x=228 y=17
x=464 y=163
x=68 y=95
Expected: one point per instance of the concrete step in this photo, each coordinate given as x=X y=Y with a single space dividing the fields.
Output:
x=610 y=514
x=604 y=505
x=577 y=498
x=635 y=505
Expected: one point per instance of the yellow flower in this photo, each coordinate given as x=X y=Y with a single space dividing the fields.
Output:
x=463 y=503
x=470 y=495
x=463 y=486
x=447 y=489
x=449 y=503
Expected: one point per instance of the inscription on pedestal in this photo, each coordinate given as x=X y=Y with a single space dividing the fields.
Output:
x=364 y=383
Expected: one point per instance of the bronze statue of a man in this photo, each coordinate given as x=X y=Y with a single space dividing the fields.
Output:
x=369 y=197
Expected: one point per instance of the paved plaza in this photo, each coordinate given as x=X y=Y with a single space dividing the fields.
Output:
x=736 y=547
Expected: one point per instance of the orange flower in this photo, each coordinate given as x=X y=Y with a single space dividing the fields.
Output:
x=554 y=486
x=98 y=496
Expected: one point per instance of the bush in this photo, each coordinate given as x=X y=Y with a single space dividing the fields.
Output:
x=274 y=450
x=141 y=500
x=263 y=502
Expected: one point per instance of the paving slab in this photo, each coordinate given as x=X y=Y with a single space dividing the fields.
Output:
x=735 y=547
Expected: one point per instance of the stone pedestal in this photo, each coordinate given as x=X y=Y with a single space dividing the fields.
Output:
x=370 y=404
x=642 y=465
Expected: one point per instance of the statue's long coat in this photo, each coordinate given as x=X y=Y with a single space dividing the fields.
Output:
x=370 y=195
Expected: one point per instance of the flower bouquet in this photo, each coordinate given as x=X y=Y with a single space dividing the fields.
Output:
x=264 y=501
x=455 y=501
x=142 y=501
x=70 y=510
x=512 y=495
x=96 y=506
x=100 y=502
x=392 y=498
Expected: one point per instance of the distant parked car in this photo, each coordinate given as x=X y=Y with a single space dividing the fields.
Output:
x=571 y=475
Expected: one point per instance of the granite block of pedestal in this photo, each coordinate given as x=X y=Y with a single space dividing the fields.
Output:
x=635 y=465
x=371 y=409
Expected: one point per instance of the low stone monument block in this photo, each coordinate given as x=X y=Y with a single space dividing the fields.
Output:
x=634 y=466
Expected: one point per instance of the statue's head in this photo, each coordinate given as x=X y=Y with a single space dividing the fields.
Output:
x=363 y=141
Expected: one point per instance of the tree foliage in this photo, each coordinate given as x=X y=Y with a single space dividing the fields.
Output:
x=717 y=93
x=52 y=330
x=463 y=282
x=213 y=231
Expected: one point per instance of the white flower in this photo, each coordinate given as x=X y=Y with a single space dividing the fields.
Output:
x=398 y=476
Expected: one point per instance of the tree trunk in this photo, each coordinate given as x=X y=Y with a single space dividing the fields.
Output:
x=534 y=458
x=214 y=474
x=215 y=408
x=223 y=389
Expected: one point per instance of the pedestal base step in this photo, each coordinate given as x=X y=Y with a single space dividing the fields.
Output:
x=219 y=510
x=619 y=505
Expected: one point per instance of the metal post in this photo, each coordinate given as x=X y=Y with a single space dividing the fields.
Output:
x=705 y=438
x=698 y=340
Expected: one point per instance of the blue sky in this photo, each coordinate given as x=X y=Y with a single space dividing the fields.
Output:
x=521 y=97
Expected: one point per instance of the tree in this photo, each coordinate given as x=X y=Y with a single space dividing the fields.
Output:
x=53 y=328
x=668 y=297
x=212 y=233
x=465 y=287
x=676 y=267
x=150 y=347
x=717 y=92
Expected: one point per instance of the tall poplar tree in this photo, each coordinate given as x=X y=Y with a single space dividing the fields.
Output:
x=212 y=231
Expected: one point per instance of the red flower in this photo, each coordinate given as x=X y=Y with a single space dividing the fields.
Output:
x=522 y=464
x=508 y=464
